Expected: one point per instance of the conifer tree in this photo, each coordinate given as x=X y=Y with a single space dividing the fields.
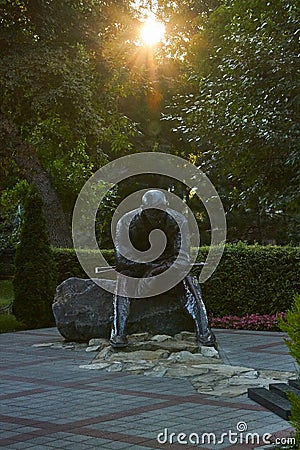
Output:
x=35 y=275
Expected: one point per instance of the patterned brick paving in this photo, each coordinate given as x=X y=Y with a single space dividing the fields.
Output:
x=48 y=402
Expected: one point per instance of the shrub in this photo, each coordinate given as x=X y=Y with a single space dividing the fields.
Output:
x=252 y=279
x=9 y=323
x=292 y=326
x=6 y=263
x=35 y=275
x=249 y=279
x=263 y=322
x=6 y=292
x=68 y=265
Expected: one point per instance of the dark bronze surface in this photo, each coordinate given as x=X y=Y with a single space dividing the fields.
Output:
x=141 y=222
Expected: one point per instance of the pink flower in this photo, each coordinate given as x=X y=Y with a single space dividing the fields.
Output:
x=252 y=321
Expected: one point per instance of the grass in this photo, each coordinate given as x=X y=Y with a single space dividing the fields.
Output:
x=8 y=322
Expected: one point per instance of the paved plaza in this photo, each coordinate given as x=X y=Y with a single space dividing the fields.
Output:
x=49 y=402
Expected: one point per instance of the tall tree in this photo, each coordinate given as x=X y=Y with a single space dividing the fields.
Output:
x=241 y=113
x=57 y=98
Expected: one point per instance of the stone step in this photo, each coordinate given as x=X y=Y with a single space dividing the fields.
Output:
x=294 y=383
x=271 y=400
x=283 y=389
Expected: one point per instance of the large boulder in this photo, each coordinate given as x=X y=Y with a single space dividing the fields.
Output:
x=83 y=310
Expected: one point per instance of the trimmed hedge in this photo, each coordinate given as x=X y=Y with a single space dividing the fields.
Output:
x=249 y=279
x=252 y=279
x=69 y=266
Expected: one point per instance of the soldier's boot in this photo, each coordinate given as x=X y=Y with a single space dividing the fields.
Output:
x=118 y=337
x=196 y=308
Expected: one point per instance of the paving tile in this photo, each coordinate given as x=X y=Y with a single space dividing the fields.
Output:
x=21 y=446
x=69 y=398
x=117 y=445
x=70 y=445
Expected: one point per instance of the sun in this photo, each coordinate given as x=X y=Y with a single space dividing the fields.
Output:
x=152 y=31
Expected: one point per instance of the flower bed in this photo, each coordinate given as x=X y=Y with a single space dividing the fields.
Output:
x=265 y=322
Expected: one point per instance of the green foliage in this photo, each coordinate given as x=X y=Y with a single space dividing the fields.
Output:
x=248 y=280
x=295 y=416
x=35 y=275
x=252 y=279
x=65 y=157
x=104 y=216
x=240 y=112
x=60 y=89
x=11 y=201
x=6 y=292
x=6 y=263
x=69 y=266
x=292 y=326
x=9 y=323
x=58 y=80
x=81 y=89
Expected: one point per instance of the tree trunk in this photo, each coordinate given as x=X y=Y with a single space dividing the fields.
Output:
x=59 y=232
x=28 y=162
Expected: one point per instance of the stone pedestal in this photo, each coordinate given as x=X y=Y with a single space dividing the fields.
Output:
x=83 y=310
